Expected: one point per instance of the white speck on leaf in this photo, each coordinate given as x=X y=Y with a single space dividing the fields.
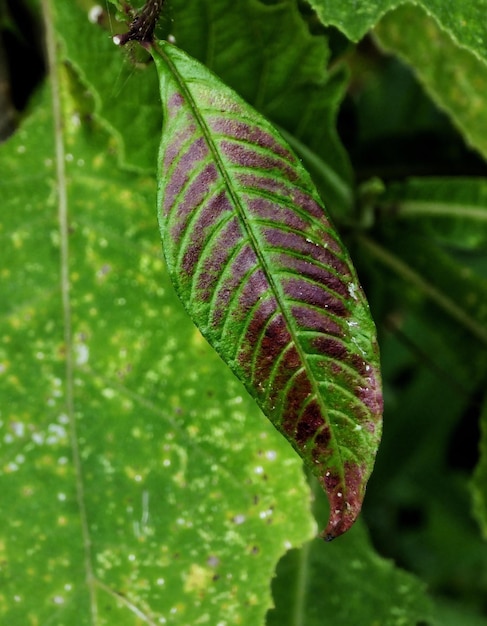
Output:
x=352 y=290
x=82 y=354
x=18 y=428
x=95 y=13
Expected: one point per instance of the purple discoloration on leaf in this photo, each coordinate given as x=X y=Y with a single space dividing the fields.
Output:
x=243 y=262
x=258 y=363
x=264 y=209
x=309 y=204
x=315 y=295
x=296 y=397
x=271 y=339
x=175 y=150
x=371 y=394
x=330 y=346
x=181 y=175
x=242 y=156
x=310 y=269
x=345 y=496
x=205 y=222
x=255 y=287
x=214 y=265
x=175 y=102
x=192 y=199
x=265 y=276
x=253 y=181
x=310 y=423
x=253 y=135
x=310 y=319
x=279 y=238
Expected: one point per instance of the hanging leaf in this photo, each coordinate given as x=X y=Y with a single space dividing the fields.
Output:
x=265 y=277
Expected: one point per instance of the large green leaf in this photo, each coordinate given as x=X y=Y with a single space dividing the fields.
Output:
x=464 y=20
x=135 y=489
x=264 y=275
x=454 y=77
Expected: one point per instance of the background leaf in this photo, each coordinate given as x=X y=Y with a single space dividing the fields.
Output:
x=454 y=77
x=454 y=211
x=311 y=584
x=464 y=21
x=134 y=489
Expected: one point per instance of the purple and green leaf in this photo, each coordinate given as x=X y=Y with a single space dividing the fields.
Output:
x=265 y=277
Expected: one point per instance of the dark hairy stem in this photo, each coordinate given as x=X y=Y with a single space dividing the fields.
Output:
x=142 y=27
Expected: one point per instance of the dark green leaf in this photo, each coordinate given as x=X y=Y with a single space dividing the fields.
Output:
x=343 y=584
x=264 y=275
x=465 y=20
x=454 y=210
x=480 y=478
x=454 y=77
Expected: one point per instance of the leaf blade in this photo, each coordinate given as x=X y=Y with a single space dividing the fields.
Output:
x=454 y=77
x=462 y=20
x=261 y=270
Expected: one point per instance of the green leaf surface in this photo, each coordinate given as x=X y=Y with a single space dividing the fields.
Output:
x=369 y=591
x=135 y=489
x=454 y=77
x=109 y=77
x=464 y=21
x=454 y=211
x=264 y=275
x=479 y=483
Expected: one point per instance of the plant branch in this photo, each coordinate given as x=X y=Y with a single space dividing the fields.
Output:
x=438 y=297
x=412 y=208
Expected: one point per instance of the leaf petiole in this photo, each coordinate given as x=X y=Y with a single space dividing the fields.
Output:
x=143 y=25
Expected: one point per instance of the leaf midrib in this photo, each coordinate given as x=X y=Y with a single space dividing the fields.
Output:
x=54 y=64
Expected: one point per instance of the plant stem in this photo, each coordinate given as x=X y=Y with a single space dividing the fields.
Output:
x=411 y=208
x=143 y=25
x=434 y=294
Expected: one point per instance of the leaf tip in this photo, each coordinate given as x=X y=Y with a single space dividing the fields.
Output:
x=345 y=496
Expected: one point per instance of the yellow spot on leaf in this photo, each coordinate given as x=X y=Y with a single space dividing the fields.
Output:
x=198 y=579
